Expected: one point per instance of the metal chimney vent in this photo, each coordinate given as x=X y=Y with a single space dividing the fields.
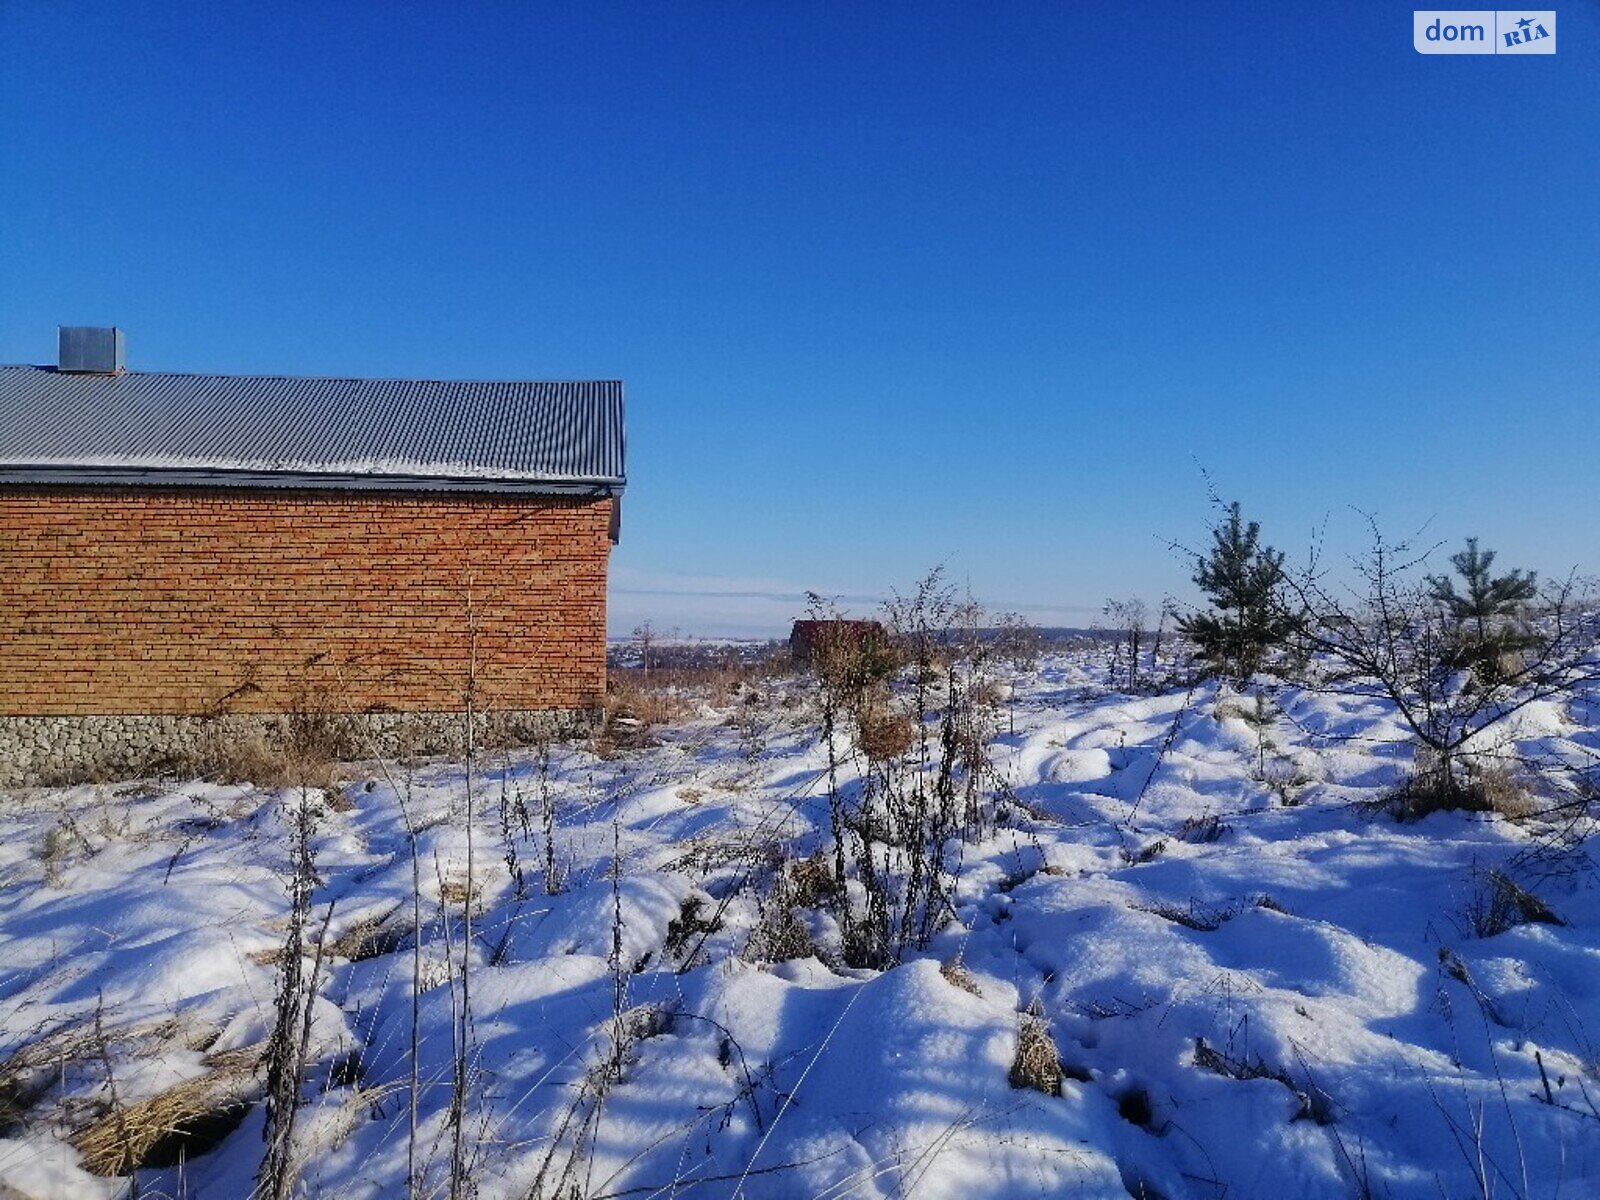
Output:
x=87 y=350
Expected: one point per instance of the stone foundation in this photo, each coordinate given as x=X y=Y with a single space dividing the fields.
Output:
x=40 y=751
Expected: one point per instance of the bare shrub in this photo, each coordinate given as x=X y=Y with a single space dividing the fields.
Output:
x=780 y=937
x=1451 y=679
x=1126 y=621
x=569 y=1150
x=53 y=852
x=516 y=820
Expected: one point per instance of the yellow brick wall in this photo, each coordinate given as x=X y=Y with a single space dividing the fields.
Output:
x=189 y=602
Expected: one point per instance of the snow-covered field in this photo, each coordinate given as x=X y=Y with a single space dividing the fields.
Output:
x=1259 y=986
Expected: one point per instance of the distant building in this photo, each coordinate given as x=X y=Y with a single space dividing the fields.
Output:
x=190 y=546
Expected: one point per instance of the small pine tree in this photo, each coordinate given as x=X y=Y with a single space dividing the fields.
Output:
x=1244 y=582
x=1486 y=614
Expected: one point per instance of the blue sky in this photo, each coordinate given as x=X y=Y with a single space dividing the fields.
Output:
x=890 y=285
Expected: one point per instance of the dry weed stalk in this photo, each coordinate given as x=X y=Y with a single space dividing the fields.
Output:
x=924 y=707
x=461 y=1024
x=293 y=1011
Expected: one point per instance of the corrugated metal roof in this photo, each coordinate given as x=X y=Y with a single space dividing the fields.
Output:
x=272 y=430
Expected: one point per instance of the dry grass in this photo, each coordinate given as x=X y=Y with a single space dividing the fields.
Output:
x=25 y=1073
x=956 y=975
x=811 y=881
x=781 y=936
x=1505 y=791
x=989 y=693
x=1201 y=830
x=1315 y=1104
x=709 y=852
x=1037 y=1065
x=162 y=1129
x=1139 y=855
x=1208 y=918
x=631 y=709
x=1010 y=808
x=305 y=754
x=372 y=937
x=885 y=736
x=716 y=674
x=681 y=678
x=1481 y=788
x=649 y=704
x=1232 y=709
x=453 y=892
x=1286 y=781
x=153 y=1131
x=1499 y=905
x=253 y=760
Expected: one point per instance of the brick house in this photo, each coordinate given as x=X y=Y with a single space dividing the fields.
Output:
x=177 y=548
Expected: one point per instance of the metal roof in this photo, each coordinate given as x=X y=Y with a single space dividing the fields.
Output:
x=146 y=427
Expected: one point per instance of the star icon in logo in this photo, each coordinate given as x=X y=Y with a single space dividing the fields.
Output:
x=1524 y=23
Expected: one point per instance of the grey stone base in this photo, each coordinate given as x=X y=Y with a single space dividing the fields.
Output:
x=36 y=751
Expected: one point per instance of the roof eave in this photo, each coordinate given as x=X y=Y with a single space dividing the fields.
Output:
x=65 y=476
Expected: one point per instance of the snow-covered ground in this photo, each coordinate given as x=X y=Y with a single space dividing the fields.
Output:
x=1259 y=986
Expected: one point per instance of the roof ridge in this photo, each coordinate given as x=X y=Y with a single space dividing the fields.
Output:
x=300 y=378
